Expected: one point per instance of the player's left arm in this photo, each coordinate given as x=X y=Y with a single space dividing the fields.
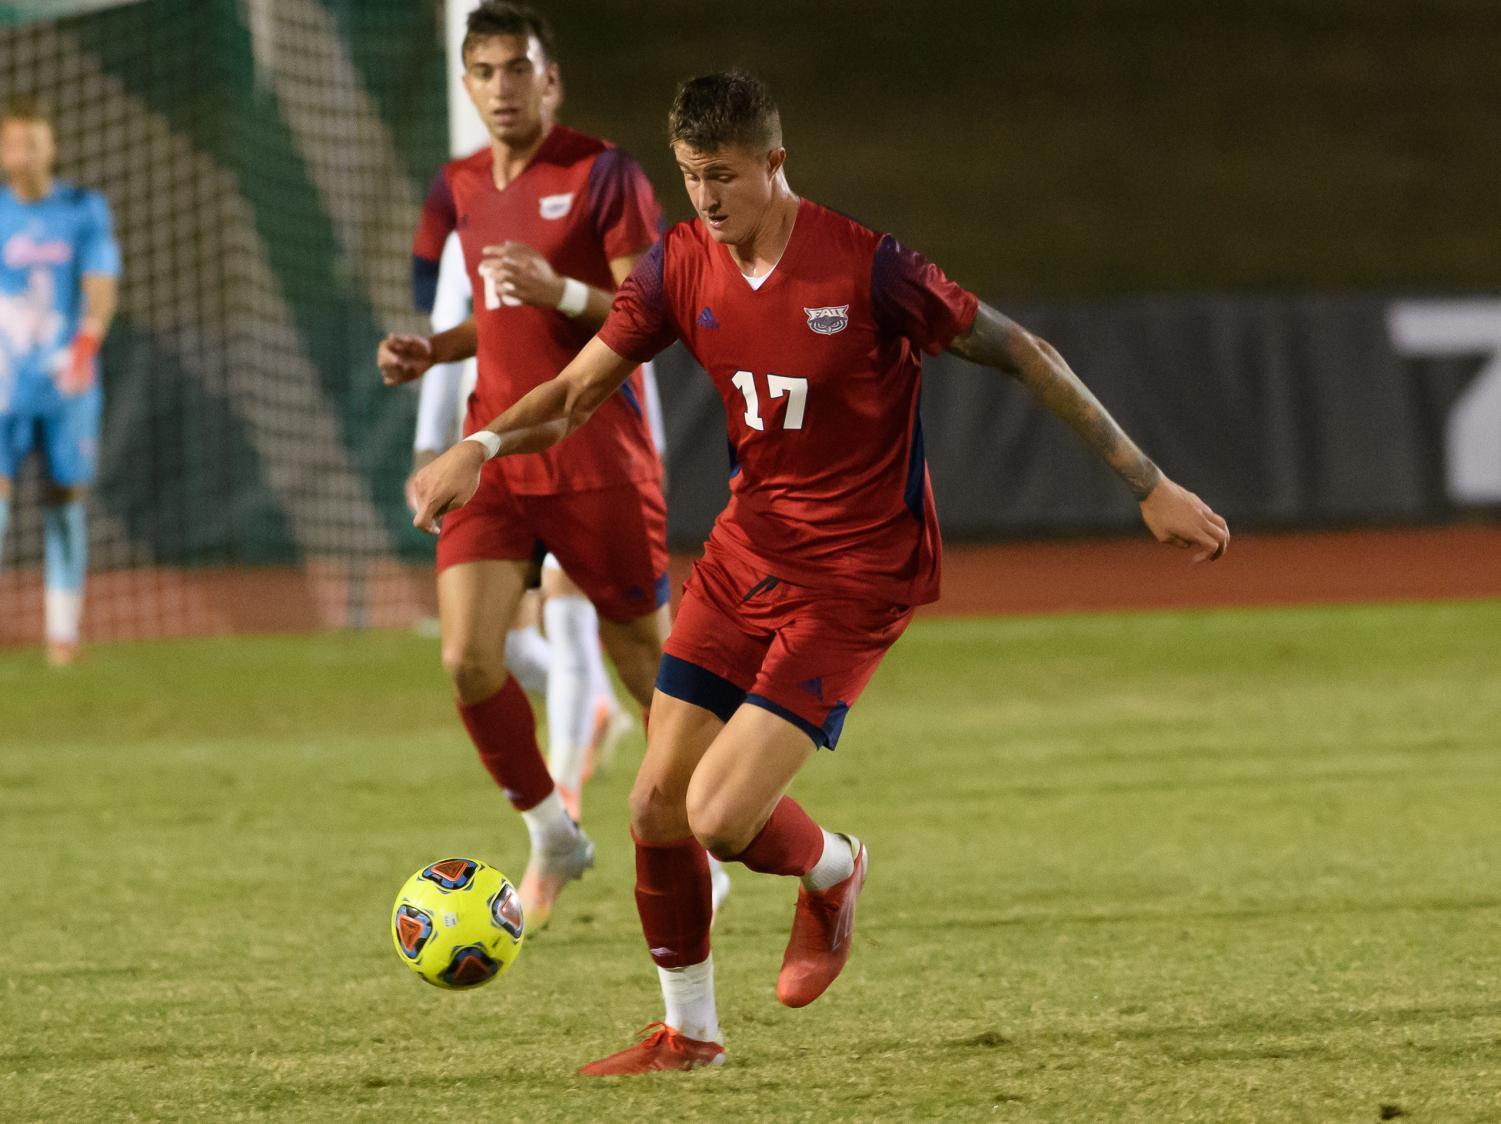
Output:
x=101 y=297
x=1172 y=513
x=99 y=284
x=539 y=419
x=81 y=366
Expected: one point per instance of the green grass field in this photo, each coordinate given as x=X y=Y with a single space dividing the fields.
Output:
x=1207 y=866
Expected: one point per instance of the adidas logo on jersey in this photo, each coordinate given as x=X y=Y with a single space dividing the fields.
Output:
x=706 y=318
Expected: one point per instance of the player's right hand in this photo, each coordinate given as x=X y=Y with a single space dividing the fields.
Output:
x=402 y=358
x=78 y=365
x=521 y=275
x=447 y=483
x=1179 y=518
x=420 y=460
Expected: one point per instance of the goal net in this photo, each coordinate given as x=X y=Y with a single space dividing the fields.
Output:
x=265 y=162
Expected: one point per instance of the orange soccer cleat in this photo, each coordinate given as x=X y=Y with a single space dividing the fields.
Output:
x=822 y=930
x=664 y=1048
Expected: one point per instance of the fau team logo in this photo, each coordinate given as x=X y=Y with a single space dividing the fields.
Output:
x=555 y=206
x=827 y=321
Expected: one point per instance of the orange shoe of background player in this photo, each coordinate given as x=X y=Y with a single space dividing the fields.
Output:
x=62 y=653
x=664 y=1048
x=822 y=930
x=546 y=875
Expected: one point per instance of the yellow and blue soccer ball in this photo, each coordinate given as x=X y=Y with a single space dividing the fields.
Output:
x=458 y=923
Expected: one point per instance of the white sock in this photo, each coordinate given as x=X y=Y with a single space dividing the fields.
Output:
x=835 y=864
x=527 y=657
x=550 y=826
x=573 y=631
x=689 y=996
x=63 y=609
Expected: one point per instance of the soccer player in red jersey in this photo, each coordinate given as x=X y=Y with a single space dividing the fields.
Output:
x=812 y=328
x=550 y=221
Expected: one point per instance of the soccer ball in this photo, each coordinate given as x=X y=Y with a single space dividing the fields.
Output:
x=457 y=923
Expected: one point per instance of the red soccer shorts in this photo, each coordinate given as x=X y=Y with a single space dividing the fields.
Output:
x=803 y=654
x=611 y=541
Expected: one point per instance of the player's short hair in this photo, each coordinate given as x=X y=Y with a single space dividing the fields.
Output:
x=501 y=17
x=713 y=111
x=24 y=107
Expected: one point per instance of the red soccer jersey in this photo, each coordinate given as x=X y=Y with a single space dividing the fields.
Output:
x=820 y=372
x=580 y=203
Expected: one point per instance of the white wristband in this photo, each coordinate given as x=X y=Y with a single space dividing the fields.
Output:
x=490 y=442
x=574 y=298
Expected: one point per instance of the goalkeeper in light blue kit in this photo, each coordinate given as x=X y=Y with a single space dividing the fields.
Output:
x=59 y=267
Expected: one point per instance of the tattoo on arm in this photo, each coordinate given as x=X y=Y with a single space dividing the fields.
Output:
x=997 y=341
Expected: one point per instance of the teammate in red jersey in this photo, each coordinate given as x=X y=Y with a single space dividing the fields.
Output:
x=550 y=221
x=812 y=328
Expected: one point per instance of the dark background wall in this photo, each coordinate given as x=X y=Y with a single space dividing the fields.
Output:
x=1077 y=147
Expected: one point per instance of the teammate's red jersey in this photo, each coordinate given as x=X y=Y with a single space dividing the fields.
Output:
x=580 y=203
x=820 y=373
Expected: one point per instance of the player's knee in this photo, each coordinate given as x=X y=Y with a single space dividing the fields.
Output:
x=55 y=495
x=656 y=815
x=476 y=675
x=720 y=828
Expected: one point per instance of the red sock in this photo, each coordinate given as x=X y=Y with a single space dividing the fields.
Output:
x=505 y=733
x=790 y=843
x=673 y=898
